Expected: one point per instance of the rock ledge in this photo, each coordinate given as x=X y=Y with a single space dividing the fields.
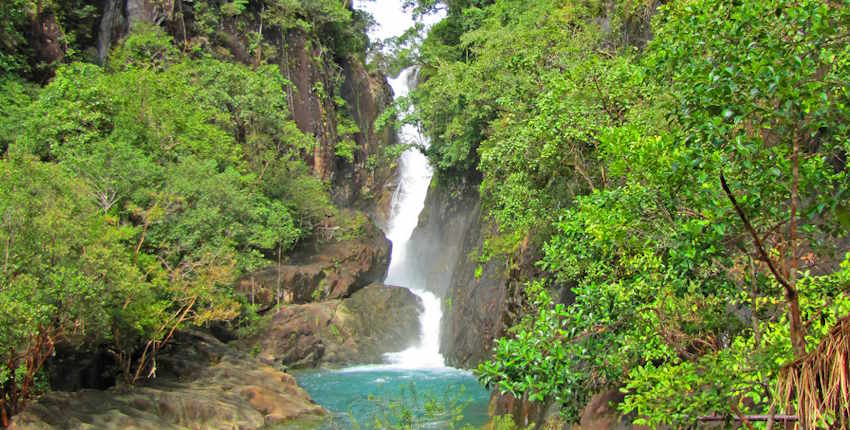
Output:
x=218 y=388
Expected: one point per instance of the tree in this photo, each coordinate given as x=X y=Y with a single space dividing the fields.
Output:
x=65 y=272
x=704 y=235
x=175 y=155
x=762 y=80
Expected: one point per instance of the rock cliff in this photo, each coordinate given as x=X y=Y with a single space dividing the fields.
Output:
x=479 y=299
x=333 y=267
x=437 y=242
x=482 y=299
x=333 y=96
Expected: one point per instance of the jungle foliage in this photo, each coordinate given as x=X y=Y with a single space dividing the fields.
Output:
x=133 y=193
x=682 y=165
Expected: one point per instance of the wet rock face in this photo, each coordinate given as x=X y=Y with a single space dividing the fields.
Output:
x=474 y=306
x=357 y=330
x=482 y=300
x=142 y=11
x=48 y=42
x=313 y=111
x=113 y=24
x=479 y=300
x=523 y=412
x=381 y=210
x=439 y=237
x=331 y=270
x=217 y=388
x=366 y=96
x=449 y=237
x=601 y=413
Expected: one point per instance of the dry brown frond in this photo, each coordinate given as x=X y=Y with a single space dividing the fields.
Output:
x=820 y=381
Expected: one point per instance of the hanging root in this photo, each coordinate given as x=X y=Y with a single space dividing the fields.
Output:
x=820 y=381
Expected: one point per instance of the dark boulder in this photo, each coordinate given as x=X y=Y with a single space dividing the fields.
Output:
x=357 y=330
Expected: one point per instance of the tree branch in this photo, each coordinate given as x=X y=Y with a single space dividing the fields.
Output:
x=789 y=291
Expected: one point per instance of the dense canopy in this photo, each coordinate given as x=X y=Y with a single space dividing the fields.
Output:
x=604 y=133
x=679 y=167
x=137 y=185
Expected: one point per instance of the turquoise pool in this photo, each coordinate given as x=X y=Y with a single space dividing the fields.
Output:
x=358 y=396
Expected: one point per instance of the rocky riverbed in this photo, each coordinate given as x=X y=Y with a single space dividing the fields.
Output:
x=218 y=388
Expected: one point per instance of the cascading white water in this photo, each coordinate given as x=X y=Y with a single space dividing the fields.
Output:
x=414 y=178
x=409 y=199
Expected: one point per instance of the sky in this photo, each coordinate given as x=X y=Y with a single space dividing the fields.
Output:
x=391 y=18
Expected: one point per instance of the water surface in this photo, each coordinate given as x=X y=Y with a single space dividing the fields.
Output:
x=357 y=396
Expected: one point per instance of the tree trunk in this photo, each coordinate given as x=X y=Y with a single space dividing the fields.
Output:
x=259 y=54
x=141 y=241
x=798 y=336
x=798 y=340
x=234 y=45
x=278 y=279
x=183 y=25
x=47 y=41
x=6 y=256
x=4 y=418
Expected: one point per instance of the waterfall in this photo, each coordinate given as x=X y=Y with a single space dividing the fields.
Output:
x=408 y=201
x=349 y=393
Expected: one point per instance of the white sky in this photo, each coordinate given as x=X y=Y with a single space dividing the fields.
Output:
x=391 y=18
